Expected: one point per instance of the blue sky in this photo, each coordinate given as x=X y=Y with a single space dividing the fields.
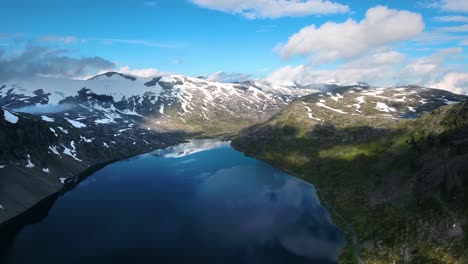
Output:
x=199 y=37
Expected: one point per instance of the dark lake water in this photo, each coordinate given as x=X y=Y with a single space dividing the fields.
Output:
x=200 y=202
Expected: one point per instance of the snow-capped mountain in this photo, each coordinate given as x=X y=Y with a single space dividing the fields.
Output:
x=355 y=107
x=52 y=129
x=169 y=100
x=376 y=102
x=114 y=107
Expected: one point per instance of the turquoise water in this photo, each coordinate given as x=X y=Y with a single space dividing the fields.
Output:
x=199 y=202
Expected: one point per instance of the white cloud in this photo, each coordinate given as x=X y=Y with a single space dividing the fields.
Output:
x=148 y=72
x=43 y=61
x=334 y=41
x=451 y=18
x=461 y=28
x=255 y=9
x=454 y=5
x=59 y=39
x=386 y=68
x=457 y=6
x=428 y=70
x=378 y=59
x=228 y=77
x=148 y=43
x=375 y=68
x=455 y=82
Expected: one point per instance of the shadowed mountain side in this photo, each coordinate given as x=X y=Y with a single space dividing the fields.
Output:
x=402 y=184
x=10 y=228
x=37 y=156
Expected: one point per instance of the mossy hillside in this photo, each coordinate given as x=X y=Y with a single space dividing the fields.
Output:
x=370 y=175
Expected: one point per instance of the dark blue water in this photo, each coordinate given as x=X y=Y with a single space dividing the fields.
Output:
x=201 y=202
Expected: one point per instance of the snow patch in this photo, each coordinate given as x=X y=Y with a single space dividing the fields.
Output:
x=47 y=119
x=321 y=104
x=75 y=123
x=30 y=164
x=53 y=131
x=309 y=113
x=104 y=121
x=360 y=100
x=384 y=107
x=10 y=117
x=450 y=102
x=87 y=140
x=336 y=98
x=54 y=150
x=71 y=152
x=63 y=130
x=46 y=170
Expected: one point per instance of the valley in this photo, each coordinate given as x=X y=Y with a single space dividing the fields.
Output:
x=53 y=129
x=378 y=156
x=234 y=131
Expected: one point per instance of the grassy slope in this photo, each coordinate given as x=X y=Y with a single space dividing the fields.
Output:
x=401 y=184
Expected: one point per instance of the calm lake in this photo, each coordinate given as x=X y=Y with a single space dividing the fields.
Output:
x=199 y=202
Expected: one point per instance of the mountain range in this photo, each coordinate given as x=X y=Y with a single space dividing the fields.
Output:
x=52 y=129
x=372 y=152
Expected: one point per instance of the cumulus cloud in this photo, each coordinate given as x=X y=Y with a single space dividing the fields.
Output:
x=48 y=62
x=333 y=41
x=147 y=72
x=427 y=70
x=455 y=82
x=432 y=71
x=228 y=77
x=255 y=9
x=385 y=68
x=375 y=68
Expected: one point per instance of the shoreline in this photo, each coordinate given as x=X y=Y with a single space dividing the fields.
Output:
x=72 y=181
x=10 y=228
x=349 y=236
